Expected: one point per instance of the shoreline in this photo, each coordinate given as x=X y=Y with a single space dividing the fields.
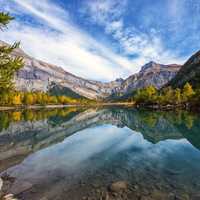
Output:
x=6 y=108
x=169 y=107
x=128 y=104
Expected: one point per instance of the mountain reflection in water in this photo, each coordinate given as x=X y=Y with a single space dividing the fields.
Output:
x=71 y=153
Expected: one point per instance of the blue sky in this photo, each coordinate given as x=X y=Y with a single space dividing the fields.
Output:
x=105 y=39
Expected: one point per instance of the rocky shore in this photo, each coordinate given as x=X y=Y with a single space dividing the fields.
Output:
x=5 y=184
x=119 y=190
x=2 y=108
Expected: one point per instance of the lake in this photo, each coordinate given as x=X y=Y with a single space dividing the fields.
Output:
x=75 y=154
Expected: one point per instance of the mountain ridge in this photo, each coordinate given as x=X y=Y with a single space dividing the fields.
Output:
x=189 y=72
x=37 y=75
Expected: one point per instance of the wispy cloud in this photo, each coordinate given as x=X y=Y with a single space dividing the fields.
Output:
x=144 y=47
x=103 y=11
x=57 y=40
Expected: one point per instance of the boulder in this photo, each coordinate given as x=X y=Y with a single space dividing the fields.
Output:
x=119 y=186
x=21 y=187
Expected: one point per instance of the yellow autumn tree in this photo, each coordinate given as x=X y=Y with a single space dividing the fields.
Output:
x=61 y=99
x=53 y=100
x=39 y=98
x=16 y=99
x=16 y=116
x=28 y=99
x=187 y=92
x=44 y=98
x=146 y=95
x=177 y=96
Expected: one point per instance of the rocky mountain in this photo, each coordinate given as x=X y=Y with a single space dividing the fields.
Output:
x=189 y=72
x=41 y=76
x=150 y=74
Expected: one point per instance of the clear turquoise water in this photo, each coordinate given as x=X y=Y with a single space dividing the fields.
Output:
x=71 y=153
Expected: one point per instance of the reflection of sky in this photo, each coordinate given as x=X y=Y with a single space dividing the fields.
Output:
x=75 y=153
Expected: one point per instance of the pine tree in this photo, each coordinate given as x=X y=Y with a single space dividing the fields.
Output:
x=28 y=99
x=168 y=95
x=177 y=96
x=9 y=65
x=5 y=18
x=188 y=92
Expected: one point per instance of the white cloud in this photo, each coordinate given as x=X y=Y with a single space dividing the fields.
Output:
x=63 y=43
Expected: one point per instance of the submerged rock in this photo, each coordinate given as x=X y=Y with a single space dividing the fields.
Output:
x=119 y=186
x=9 y=197
x=1 y=184
x=22 y=187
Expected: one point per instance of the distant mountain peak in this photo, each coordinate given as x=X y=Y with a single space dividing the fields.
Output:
x=120 y=80
x=149 y=65
x=153 y=66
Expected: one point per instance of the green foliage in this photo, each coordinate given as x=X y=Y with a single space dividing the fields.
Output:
x=8 y=117
x=5 y=18
x=38 y=98
x=28 y=99
x=196 y=97
x=177 y=96
x=188 y=92
x=9 y=65
x=146 y=95
x=56 y=90
x=4 y=120
x=167 y=96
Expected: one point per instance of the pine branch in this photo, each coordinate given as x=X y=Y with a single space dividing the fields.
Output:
x=5 y=18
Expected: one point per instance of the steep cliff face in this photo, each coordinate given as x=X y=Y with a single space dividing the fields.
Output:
x=40 y=76
x=189 y=72
x=150 y=74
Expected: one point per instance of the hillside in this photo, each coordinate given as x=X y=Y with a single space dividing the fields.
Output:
x=57 y=90
x=189 y=72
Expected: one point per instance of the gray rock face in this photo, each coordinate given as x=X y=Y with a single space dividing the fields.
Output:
x=39 y=76
x=150 y=74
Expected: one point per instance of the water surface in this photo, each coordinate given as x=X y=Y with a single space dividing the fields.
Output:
x=77 y=153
